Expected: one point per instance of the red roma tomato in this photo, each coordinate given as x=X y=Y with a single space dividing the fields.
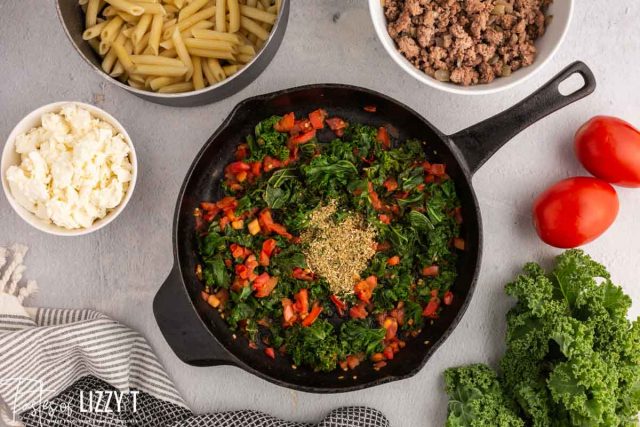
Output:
x=609 y=148
x=575 y=211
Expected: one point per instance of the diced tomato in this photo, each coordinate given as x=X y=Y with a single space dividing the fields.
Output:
x=431 y=309
x=211 y=210
x=237 y=167
x=358 y=311
x=267 y=224
x=301 y=126
x=353 y=362
x=268 y=247
x=430 y=271
x=370 y=108
x=281 y=230
x=302 y=274
x=373 y=197
x=457 y=214
x=448 y=298
x=383 y=246
x=384 y=218
x=227 y=202
x=390 y=184
x=256 y=168
x=391 y=326
x=238 y=251
x=270 y=352
x=288 y=314
x=364 y=288
x=286 y=123
x=458 y=243
x=242 y=151
x=377 y=357
x=303 y=137
x=383 y=137
x=223 y=222
x=317 y=118
x=228 y=262
x=302 y=302
x=340 y=305
x=388 y=353
x=264 y=285
x=438 y=169
x=313 y=315
x=394 y=260
x=270 y=163
x=337 y=125
x=429 y=179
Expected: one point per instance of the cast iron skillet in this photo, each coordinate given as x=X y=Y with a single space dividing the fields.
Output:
x=202 y=338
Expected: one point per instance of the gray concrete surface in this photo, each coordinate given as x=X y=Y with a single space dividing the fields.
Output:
x=119 y=269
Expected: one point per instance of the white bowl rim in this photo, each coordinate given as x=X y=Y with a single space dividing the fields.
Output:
x=31 y=218
x=519 y=76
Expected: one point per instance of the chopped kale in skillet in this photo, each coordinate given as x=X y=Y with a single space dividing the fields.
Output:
x=329 y=250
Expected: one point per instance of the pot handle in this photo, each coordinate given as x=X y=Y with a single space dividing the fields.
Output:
x=183 y=329
x=479 y=142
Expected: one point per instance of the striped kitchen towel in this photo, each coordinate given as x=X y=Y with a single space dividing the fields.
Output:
x=80 y=368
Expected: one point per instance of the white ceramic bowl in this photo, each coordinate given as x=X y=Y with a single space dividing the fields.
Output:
x=10 y=158
x=547 y=45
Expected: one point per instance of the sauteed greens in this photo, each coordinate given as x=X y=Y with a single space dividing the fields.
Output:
x=329 y=245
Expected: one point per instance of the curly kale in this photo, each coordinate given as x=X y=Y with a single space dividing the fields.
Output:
x=573 y=357
x=477 y=399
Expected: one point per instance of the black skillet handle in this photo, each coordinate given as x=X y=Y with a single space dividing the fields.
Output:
x=479 y=142
x=182 y=328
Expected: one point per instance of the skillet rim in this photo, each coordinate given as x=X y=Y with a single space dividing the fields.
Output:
x=229 y=357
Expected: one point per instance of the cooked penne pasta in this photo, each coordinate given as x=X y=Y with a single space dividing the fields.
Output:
x=173 y=46
x=155 y=33
x=257 y=14
x=215 y=35
x=208 y=53
x=127 y=6
x=221 y=15
x=94 y=31
x=211 y=44
x=234 y=15
x=182 y=51
x=198 y=79
x=191 y=9
x=141 y=28
x=160 y=70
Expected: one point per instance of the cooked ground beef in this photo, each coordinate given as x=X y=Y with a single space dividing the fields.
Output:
x=467 y=41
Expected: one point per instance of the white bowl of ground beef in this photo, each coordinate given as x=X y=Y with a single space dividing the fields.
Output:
x=471 y=47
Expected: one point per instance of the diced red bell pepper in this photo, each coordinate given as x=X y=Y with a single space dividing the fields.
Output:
x=317 y=118
x=340 y=305
x=303 y=137
x=242 y=271
x=301 y=126
x=390 y=184
x=238 y=251
x=211 y=210
x=302 y=302
x=358 y=311
x=370 y=108
x=458 y=243
x=373 y=197
x=448 y=298
x=256 y=168
x=228 y=202
x=430 y=271
x=388 y=353
x=313 y=315
x=281 y=230
x=393 y=261
x=270 y=352
x=286 y=123
x=383 y=138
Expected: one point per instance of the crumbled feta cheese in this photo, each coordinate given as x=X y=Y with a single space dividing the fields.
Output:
x=74 y=168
